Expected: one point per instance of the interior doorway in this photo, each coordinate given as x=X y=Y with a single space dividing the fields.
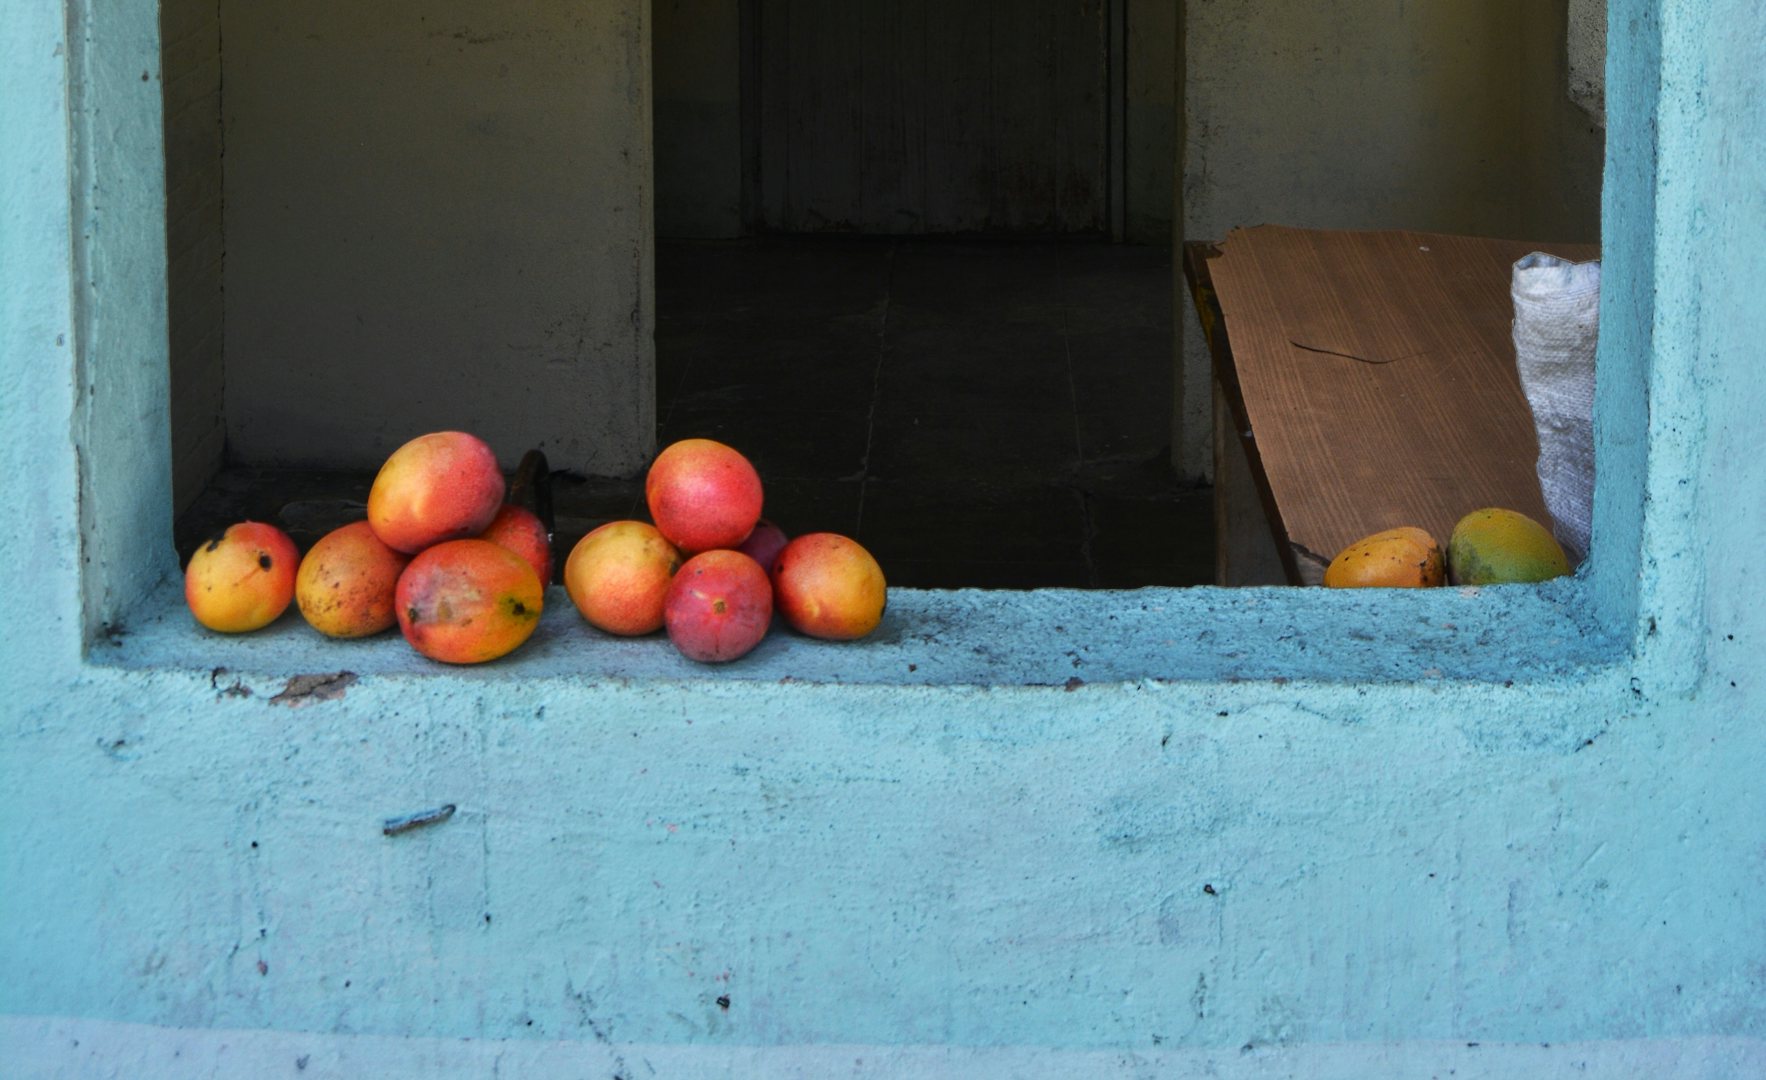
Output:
x=911 y=117
x=902 y=294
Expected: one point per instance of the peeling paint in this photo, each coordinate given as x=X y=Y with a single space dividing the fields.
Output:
x=308 y=689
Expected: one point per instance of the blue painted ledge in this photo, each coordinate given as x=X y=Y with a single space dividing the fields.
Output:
x=1053 y=638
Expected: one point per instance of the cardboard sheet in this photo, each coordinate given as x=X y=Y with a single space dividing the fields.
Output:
x=1378 y=374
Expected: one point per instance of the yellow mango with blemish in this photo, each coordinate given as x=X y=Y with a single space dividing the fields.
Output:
x=1402 y=558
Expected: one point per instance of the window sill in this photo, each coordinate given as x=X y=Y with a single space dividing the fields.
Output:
x=1055 y=638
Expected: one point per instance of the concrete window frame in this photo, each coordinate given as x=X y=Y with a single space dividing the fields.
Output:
x=1582 y=632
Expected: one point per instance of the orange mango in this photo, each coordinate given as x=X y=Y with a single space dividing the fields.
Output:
x=243 y=579
x=1402 y=558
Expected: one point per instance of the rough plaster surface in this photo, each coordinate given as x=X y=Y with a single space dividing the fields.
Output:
x=1587 y=50
x=39 y=469
x=1445 y=116
x=1068 y=639
x=118 y=331
x=449 y=226
x=1269 y=876
x=108 y=1050
x=880 y=865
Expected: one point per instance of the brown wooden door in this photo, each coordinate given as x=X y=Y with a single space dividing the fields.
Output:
x=931 y=116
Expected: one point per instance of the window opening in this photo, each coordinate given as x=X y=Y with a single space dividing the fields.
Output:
x=1295 y=615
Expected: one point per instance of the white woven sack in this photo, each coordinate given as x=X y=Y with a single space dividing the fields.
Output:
x=1557 y=319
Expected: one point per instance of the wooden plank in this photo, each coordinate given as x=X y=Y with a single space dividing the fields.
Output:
x=1245 y=550
x=1251 y=543
x=1430 y=425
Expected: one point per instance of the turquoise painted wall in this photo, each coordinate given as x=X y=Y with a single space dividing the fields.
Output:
x=1266 y=833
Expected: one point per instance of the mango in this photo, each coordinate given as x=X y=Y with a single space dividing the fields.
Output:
x=1494 y=546
x=521 y=531
x=1402 y=558
x=828 y=586
x=703 y=495
x=468 y=601
x=718 y=606
x=618 y=576
x=764 y=543
x=346 y=582
x=442 y=486
x=243 y=579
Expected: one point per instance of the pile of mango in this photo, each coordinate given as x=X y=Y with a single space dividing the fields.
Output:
x=1491 y=546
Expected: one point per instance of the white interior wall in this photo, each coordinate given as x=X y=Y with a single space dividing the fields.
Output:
x=190 y=35
x=438 y=216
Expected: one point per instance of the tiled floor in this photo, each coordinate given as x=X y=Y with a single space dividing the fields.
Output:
x=978 y=414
